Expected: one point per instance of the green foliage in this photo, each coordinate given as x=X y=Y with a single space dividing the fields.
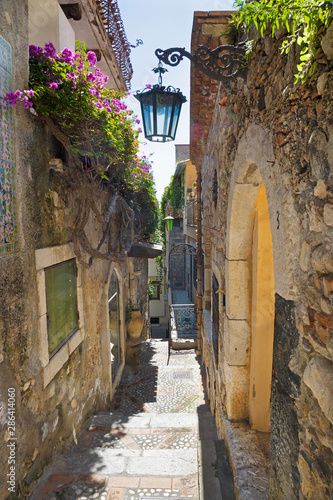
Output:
x=301 y=19
x=174 y=193
x=151 y=289
x=95 y=126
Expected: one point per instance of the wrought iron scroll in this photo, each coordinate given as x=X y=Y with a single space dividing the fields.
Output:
x=223 y=63
x=183 y=249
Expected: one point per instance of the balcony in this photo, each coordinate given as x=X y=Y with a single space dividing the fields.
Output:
x=177 y=213
x=191 y=213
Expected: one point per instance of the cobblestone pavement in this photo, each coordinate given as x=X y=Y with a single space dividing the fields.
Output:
x=146 y=445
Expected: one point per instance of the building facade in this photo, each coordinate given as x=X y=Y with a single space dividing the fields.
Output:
x=62 y=317
x=262 y=147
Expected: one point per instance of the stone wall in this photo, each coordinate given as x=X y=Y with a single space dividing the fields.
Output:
x=267 y=129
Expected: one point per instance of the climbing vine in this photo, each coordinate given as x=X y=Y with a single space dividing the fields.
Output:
x=302 y=20
x=100 y=136
x=174 y=193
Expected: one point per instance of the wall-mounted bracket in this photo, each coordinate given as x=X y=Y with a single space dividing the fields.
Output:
x=224 y=63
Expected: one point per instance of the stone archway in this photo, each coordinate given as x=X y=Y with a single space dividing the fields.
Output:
x=114 y=324
x=254 y=219
x=250 y=302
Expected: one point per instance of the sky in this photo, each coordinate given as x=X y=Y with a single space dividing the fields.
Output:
x=162 y=25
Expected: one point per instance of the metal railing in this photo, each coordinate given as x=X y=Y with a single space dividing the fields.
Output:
x=116 y=31
x=183 y=320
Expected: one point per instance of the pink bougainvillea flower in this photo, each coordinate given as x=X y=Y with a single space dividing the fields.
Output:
x=26 y=103
x=92 y=59
x=90 y=77
x=33 y=50
x=49 y=50
x=53 y=86
x=11 y=98
x=67 y=55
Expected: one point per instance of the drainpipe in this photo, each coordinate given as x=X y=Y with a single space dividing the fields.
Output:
x=199 y=261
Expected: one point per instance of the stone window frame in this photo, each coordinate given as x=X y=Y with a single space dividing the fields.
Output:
x=46 y=257
x=115 y=268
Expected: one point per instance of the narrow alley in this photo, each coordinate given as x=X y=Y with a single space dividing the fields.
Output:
x=157 y=441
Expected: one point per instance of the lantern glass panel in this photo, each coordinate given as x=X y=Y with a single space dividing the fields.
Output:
x=147 y=110
x=160 y=113
x=164 y=103
x=176 y=114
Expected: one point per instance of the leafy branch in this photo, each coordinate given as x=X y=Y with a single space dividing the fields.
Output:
x=302 y=20
x=99 y=135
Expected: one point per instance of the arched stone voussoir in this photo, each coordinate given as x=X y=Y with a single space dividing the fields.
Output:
x=255 y=163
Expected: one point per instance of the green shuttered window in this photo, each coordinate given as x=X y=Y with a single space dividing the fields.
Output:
x=61 y=303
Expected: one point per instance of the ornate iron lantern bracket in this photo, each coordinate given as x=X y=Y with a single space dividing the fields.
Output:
x=223 y=63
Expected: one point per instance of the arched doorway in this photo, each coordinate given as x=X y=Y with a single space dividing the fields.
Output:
x=114 y=324
x=250 y=297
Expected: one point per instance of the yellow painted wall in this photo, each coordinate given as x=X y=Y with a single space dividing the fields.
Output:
x=262 y=317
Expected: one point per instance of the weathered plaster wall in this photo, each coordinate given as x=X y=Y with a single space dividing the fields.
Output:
x=267 y=129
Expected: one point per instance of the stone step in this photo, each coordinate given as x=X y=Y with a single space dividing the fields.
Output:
x=154 y=463
x=179 y=343
x=145 y=420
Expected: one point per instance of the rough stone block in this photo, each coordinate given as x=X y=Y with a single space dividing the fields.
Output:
x=318 y=376
x=318 y=154
x=325 y=320
x=327 y=286
x=323 y=334
x=328 y=214
x=321 y=83
x=320 y=190
x=327 y=43
x=322 y=258
x=305 y=256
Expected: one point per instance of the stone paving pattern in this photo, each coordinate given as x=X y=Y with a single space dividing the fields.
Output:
x=146 y=445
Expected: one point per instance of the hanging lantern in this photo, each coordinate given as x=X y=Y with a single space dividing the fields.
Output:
x=160 y=109
x=169 y=222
